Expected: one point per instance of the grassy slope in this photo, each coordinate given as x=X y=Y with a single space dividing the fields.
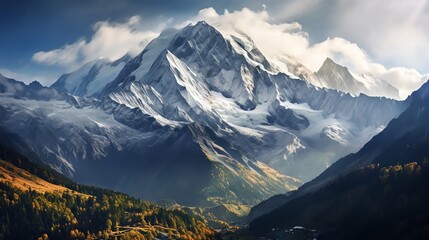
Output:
x=23 y=180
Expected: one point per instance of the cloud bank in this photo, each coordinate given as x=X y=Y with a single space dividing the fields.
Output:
x=110 y=40
x=395 y=32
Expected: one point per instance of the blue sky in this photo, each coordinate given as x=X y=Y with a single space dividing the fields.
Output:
x=31 y=26
x=391 y=33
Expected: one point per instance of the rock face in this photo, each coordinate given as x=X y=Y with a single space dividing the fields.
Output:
x=195 y=106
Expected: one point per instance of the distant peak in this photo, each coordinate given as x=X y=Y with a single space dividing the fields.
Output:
x=329 y=62
x=35 y=84
x=330 y=65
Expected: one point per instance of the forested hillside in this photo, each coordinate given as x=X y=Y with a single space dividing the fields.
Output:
x=370 y=203
x=36 y=202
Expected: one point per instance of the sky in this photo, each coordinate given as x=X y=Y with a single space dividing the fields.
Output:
x=40 y=40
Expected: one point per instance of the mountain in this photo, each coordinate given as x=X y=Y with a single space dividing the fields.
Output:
x=338 y=77
x=15 y=89
x=354 y=198
x=199 y=106
x=240 y=89
x=91 y=78
x=334 y=76
x=48 y=205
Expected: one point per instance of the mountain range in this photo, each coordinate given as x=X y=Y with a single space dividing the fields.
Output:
x=201 y=106
x=403 y=141
x=377 y=193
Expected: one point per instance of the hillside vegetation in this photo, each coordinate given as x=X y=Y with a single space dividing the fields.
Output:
x=371 y=203
x=38 y=203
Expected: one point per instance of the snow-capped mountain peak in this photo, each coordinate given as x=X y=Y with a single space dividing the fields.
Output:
x=334 y=76
x=330 y=66
x=198 y=100
x=331 y=75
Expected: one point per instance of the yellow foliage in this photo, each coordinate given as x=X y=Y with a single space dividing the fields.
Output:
x=409 y=168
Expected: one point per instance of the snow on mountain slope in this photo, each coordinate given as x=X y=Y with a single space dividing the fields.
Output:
x=91 y=78
x=140 y=65
x=63 y=129
x=171 y=92
x=102 y=143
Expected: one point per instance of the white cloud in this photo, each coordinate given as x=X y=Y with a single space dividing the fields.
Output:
x=67 y=55
x=294 y=8
x=395 y=32
x=110 y=40
x=288 y=39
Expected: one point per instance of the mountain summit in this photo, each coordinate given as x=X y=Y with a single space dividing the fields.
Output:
x=337 y=77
